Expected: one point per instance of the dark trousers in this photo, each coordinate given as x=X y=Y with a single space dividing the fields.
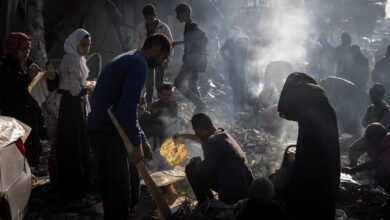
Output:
x=187 y=83
x=200 y=186
x=155 y=79
x=72 y=148
x=114 y=178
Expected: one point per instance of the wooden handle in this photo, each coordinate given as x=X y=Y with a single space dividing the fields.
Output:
x=162 y=205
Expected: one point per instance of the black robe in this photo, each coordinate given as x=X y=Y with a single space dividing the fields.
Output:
x=16 y=102
x=316 y=173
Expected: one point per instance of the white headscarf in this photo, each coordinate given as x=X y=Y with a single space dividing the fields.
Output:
x=73 y=40
x=70 y=48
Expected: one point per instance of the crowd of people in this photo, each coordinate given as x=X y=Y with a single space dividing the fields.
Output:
x=83 y=125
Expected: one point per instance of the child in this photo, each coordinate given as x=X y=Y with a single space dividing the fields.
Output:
x=163 y=119
x=165 y=106
x=379 y=110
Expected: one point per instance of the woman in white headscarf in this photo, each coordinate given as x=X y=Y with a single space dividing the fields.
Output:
x=72 y=147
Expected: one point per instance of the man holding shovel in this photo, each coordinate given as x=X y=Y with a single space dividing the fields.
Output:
x=119 y=85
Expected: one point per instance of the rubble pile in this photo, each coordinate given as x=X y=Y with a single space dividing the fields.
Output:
x=360 y=197
x=264 y=152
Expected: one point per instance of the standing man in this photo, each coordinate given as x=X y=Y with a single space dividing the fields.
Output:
x=235 y=52
x=119 y=86
x=344 y=57
x=152 y=25
x=194 y=58
x=326 y=57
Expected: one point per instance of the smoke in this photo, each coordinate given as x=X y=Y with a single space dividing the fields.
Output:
x=284 y=33
x=387 y=9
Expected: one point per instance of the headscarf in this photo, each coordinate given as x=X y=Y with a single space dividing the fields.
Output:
x=13 y=43
x=300 y=92
x=70 y=47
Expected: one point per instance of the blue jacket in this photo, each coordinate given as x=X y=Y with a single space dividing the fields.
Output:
x=119 y=85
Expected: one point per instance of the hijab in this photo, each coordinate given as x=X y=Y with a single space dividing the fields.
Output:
x=12 y=45
x=70 y=48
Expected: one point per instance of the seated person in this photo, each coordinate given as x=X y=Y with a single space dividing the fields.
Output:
x=261 y=201
x=163 y=120
x=379 y=110
x=379 y=139
x=224 y=168
x=365 y=144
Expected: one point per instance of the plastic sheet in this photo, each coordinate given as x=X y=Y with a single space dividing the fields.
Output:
x=11 y=130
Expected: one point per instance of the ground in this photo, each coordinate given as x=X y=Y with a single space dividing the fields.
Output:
x=264 y=153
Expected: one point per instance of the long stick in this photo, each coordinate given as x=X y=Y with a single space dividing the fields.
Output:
x=150 y=184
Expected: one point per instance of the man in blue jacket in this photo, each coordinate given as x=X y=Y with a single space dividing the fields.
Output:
x=119 y=86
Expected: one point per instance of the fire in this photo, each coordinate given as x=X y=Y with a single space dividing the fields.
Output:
x=173 y=153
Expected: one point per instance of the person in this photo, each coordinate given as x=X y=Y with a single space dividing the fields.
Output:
x=235 y=52
x=275 y=74
x=165 y=106
x=359 y=76
x=151 y=26
x=194 y=58
x=224 y=168
x=119 y=86
x=72 y=146
x=379 y=110
x=261 y=202
x=379 y=152
x=213 y=45
x=316 y=174
x=366 y=143
x=214 y=71
x=381 y=49
x=326 y=57
x=338 y=90
x=16 y=73
x=344 y=57
x=160 y=123
x=380 y=74
x=360 y=72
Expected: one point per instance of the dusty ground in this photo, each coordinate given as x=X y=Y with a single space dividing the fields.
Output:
x=264 y=153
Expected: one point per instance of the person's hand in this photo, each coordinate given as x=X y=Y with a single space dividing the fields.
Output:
x=51 y=75
x=147 y=150
x=90 y=85
x=137 y=154
x=149 y=106
x=178 y=138
x=33 y=70
x=165 y=65
x=142 y=111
